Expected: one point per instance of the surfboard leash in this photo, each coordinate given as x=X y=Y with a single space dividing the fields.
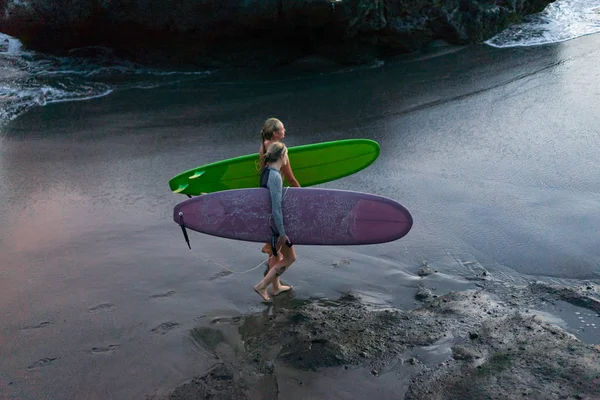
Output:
x=224 y=267
x=187 y=240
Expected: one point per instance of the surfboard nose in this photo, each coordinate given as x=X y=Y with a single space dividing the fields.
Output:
x=377 y=221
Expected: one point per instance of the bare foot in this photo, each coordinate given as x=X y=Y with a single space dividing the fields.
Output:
x=262 y=293
x=280 y=289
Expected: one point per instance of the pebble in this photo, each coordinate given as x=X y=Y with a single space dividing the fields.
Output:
x=425 y=270
x=270 y=366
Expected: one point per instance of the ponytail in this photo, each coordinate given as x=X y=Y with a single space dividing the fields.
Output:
x=263 y=136
x=263 y=160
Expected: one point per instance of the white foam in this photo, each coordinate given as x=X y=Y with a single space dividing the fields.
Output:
x=560 y=21
x=9 y=45
x=29 y=79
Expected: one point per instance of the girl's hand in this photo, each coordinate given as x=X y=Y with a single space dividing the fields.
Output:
x=282 y=240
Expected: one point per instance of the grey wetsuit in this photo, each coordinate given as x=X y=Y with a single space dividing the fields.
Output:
x=271 y=178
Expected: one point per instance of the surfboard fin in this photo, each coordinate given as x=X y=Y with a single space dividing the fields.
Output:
x=181 y=188
x=197 y=174
x=185 y=235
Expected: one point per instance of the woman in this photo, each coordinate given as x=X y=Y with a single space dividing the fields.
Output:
x=273 y=131
x=273 y=161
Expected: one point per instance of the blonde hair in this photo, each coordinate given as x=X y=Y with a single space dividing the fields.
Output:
x=271 y=125
x=273 y=154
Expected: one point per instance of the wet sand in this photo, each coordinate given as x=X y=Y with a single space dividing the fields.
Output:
x=493 y=152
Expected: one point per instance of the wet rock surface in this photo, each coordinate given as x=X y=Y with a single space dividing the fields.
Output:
x=217 y=384
x=475 y=344
x=423 y=294
x=261 y=32
x=425 y=270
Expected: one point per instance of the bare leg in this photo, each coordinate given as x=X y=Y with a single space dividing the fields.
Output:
x=289 y=256
x=275 y=272
x=270 y=261
x=277 y=286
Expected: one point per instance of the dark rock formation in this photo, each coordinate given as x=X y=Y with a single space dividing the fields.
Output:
x=259 y=32
x=461 y=345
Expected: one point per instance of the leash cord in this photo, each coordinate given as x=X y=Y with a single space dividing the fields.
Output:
x=224 y=267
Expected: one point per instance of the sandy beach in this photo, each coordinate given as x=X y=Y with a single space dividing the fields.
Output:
x=493 y=151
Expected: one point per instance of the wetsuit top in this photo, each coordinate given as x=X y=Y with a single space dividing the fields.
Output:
x=271 y=178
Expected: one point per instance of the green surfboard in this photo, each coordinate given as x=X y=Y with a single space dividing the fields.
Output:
x=312 y=164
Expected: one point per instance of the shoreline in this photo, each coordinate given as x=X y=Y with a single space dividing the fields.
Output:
x=261 y=34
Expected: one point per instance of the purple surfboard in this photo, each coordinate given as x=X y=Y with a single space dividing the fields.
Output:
x=310 y=216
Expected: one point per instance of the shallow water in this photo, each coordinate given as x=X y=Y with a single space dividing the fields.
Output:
x=493 y=151
x=579 y=321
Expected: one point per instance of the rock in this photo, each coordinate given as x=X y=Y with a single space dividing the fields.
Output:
x=423 y=294
x=4 y=45
x=509 y=354
x=270 y=367
x=516 y=360
x=218 y=383
x=460 y=352
x=425 y=270
x=257 y=32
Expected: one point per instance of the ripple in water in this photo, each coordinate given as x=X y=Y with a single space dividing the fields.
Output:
x=29 y=79
x=560 y=21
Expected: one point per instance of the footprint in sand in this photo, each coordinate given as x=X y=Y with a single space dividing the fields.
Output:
x=227 y=320
x=159 y=295
x=102 y=307
x=341 y=262
x=165 y=327
x=41 y=363
x=38 y=326
x=105 y=350
x=220 y=275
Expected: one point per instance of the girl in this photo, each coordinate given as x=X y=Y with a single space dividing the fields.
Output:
x=273 y=131
x=272 y=162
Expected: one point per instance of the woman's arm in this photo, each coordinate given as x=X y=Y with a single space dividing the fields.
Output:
x=286 y=171
x=275 y=185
